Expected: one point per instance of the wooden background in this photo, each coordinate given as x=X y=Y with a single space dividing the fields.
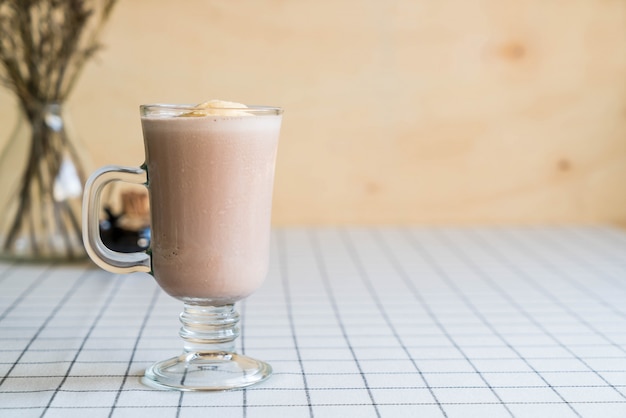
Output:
x=406 y=111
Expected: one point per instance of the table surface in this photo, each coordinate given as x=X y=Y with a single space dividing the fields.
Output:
x=361 y=322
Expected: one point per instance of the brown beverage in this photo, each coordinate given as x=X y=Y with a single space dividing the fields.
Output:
x=210 y=179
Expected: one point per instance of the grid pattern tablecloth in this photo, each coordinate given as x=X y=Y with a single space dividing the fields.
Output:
x=386 y=322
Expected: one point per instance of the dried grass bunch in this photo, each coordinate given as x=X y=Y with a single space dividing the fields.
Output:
x=44 y=44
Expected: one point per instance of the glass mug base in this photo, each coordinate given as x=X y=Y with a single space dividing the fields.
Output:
x=209 y=371
x=209 y=361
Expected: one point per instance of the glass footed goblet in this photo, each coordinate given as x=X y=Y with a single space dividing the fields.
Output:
x=209 y=174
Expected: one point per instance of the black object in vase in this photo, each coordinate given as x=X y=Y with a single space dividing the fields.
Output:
x=121 y=238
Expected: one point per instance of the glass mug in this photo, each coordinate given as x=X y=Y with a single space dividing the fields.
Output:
x=210 y=178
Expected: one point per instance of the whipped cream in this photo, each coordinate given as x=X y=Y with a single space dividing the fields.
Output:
x=217 y=107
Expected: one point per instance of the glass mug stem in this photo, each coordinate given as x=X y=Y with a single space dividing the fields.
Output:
x=209 y=328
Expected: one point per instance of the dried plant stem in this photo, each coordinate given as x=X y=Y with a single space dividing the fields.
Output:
x=35 y=195
x=44 y=45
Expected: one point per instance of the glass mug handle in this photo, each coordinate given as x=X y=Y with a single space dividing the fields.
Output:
x=103 y=256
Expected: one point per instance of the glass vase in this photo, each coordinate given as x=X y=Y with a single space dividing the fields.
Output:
x=42 y=175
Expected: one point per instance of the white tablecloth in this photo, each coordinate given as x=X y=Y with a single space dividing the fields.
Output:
x=387 y=322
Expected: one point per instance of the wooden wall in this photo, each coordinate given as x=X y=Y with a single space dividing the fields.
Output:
x=405 y=111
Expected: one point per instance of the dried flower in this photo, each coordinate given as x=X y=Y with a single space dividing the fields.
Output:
x=44 y=45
